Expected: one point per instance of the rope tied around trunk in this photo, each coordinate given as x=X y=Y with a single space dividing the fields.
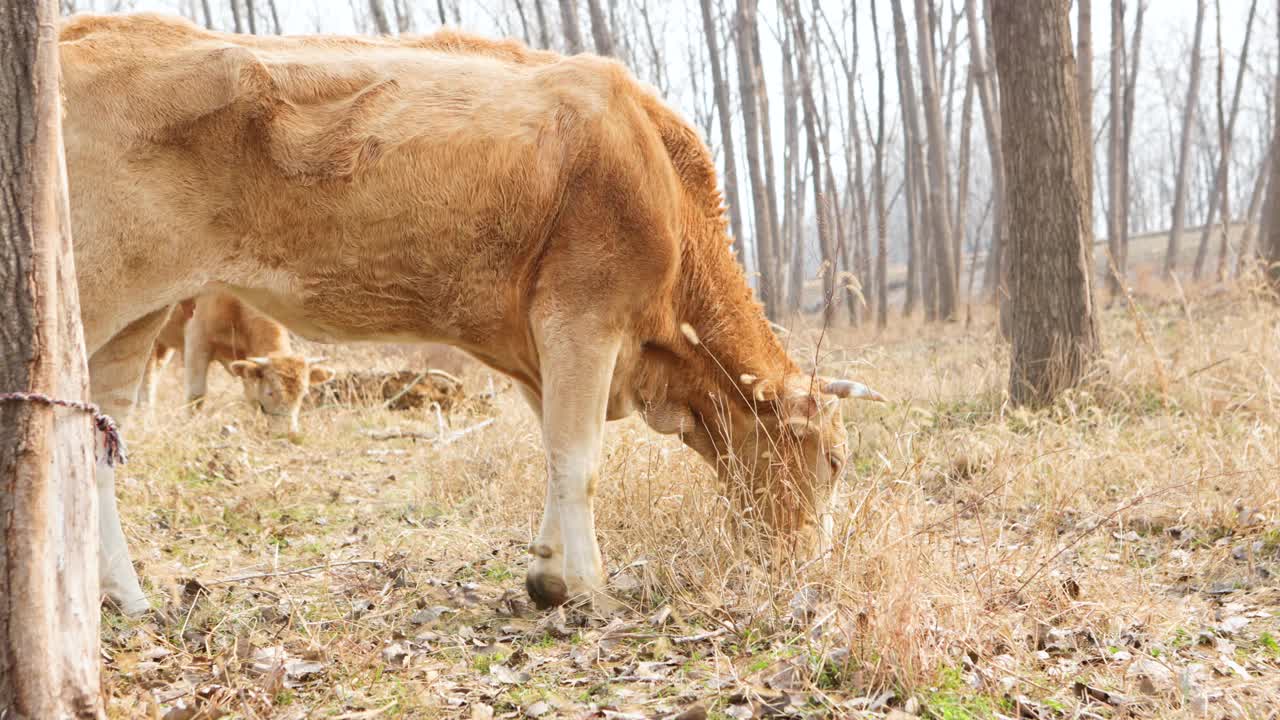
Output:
x=111 y=440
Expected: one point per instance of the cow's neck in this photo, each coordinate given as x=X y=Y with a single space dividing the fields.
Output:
x=730 y=351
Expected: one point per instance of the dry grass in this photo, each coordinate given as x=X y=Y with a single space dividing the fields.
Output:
x=1114 y=554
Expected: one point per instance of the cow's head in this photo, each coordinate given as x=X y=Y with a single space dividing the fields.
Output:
x=780 y=454
x=277 y=383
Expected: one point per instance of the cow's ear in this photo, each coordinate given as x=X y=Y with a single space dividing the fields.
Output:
x=247 y=370
x=321 y=375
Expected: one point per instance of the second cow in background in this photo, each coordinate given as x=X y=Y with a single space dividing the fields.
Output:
x=218 y=327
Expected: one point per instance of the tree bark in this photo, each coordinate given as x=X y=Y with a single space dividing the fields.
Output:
x=1055 y=338
x=1252 y=214
x=1176 y=225
x=600 y=29
x=208 y=14
x=569 y=23
x=1219 y=195
x=723 y=110
x=49 y=538
x=251 y=15
x=938 y=181
x=751 y=121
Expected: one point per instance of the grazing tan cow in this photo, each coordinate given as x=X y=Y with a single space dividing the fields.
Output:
x=548 y=215
x=217 y=327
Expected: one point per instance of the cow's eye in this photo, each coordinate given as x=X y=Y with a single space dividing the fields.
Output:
x=836 y=464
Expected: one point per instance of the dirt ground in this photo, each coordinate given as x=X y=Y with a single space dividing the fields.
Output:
x=1115 y=555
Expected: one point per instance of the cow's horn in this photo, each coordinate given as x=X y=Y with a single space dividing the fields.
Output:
x=260 y=361
x=316 y=360
x=851 y=389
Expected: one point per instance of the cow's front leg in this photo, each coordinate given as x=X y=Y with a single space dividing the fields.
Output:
x=577 y=367
x=114 y=374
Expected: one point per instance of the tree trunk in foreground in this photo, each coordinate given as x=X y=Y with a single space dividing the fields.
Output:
x=49 y=538
x=1055 y=338
x=935 y=142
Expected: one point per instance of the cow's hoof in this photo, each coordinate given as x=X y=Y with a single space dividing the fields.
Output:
x=134 y=607
x=546 y=591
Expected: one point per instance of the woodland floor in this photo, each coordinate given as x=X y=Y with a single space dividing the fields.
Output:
x=1116 y=555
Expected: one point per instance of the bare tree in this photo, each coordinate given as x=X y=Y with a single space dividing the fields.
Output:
x=236 y=23
x=1115 y=152
x=1271 y=238
x=600 y=32
x=1184 y=148
x=251 y=14
x=917 y=201
x=882 y=291
x=1219 y=195
x=379 y=16
x=939 y=182
x=991 y=124
x=962 y=183
x=544 y=32
x=208 y=13
x=721 y=88
x=1084 y=90
x=569 y=23
x=1133 y=56
x=1055 y=337
x=820 y=196
x=745 y=26
x=49 y=615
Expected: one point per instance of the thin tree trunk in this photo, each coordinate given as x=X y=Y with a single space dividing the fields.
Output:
x=1219 y=196
x=544 y=32
x=810 y=113
x=766 y=144
x=404 y=17
x=723 y=110
x=235 y=17
x=1055 y=337
x=939 y=194
x=991 y=124
x=1084 y=91
x=751 y=121
x=962 y=183
x=379 y=16
x=882 y=262
x=792 y=220
x=1270 y=236
x=1251 y=216
x=1177 y=226
x=600 y=28
x=49 y=615
x=251 y=14
x=569 y=24
x=208 y=14
x=1133 y=57
x=1115 y=150
x=918 y=201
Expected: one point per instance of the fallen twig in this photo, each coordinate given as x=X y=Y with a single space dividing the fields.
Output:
x=313 y=568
